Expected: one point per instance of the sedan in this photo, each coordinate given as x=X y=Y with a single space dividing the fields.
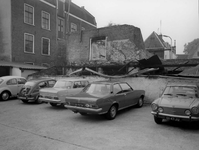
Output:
x=30 y=91
x=105 y=97
x=10 y=86
x=55 y=96
x=178 y=102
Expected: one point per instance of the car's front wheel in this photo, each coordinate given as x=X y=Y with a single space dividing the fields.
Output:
x=53 y=104
x=158 y=120
x=24 y=101
x=112 y=112
x=140 y=102
x=5 y=96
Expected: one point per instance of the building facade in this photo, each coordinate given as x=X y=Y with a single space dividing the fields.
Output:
x=33 y=31
x=157 y=46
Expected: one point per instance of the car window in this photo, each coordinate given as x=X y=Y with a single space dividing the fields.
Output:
x=12 y=82
x=51 y=83
x=125 y=87
x=98 y=89
x=63 y=84
x=21 y=81
x=84 y=83
x=180 y=90
x=42 y=84
x=117 y=89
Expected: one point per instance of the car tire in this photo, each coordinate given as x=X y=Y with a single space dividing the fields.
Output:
x=112 y=112
x=5 y=96
x=83 y=114
x=53 y=104
x=140 y=102
x=24 y=101
x=158 y=120
x=37 y=100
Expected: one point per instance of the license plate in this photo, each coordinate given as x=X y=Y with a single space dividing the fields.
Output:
x=172 y=118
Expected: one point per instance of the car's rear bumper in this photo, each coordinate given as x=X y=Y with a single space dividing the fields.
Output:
x=26 y=98
x=46 y=100
x=77 y=109
x=180 y=117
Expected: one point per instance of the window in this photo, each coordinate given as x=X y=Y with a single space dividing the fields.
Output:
x=28 y=43
x=73 y=27
x=51 y=83
x=45 y=46
x=125 y=87
x=60 y=28
x=83 y=28
x=28 y=14
x=117 y=89
x=45 y=21
x=12 y=82
x=21 y=81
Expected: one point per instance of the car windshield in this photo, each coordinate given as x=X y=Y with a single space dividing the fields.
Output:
x=98 y=89
x=29 y=84
x=180 y=91
x=63 y=84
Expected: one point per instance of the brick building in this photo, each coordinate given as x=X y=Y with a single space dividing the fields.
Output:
x=34 y=31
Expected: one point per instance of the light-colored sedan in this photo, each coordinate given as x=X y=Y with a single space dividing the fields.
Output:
x=10 y=86
x=63 y=87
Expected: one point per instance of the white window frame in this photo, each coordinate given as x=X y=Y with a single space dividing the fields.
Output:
x=48 y=46
x=43 y=27
x=71 y=27
x=33 y=17
x=33 y=47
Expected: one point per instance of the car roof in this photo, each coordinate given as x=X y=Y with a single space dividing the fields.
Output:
x=187 y=84
x=40 y=79
x=108 y=82
x=72 y=79
x=10 y=77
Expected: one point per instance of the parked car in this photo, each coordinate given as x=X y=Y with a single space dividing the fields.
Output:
x=105 y=97
x=30 y=91
x=178 y=102
x=10 y=86
x=64 y=87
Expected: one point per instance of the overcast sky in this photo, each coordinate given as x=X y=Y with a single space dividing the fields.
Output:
x=178 y=19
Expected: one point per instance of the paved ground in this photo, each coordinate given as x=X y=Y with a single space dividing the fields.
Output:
x=41 y=127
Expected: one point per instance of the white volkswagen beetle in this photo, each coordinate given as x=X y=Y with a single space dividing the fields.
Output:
x=10 y=86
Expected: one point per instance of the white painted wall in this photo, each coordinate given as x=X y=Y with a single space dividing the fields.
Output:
x=15 y=71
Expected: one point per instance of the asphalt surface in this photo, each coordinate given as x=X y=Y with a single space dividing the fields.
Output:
x=42 y=127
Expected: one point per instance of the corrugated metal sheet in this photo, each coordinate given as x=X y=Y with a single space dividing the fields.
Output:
x=21 y=65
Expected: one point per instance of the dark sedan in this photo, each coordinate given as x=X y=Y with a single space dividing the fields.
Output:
x=105 y=97
x=30 y=91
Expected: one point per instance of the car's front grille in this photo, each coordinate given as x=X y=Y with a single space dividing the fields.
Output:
x=174 y=111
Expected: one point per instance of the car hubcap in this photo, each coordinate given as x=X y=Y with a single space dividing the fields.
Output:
x=113 y=111
x=140 y=101
x=5 y=96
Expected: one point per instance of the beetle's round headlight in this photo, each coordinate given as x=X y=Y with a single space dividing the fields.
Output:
x=154 y=107
x=187 y=112
x=160 y=109
x=195 y=110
